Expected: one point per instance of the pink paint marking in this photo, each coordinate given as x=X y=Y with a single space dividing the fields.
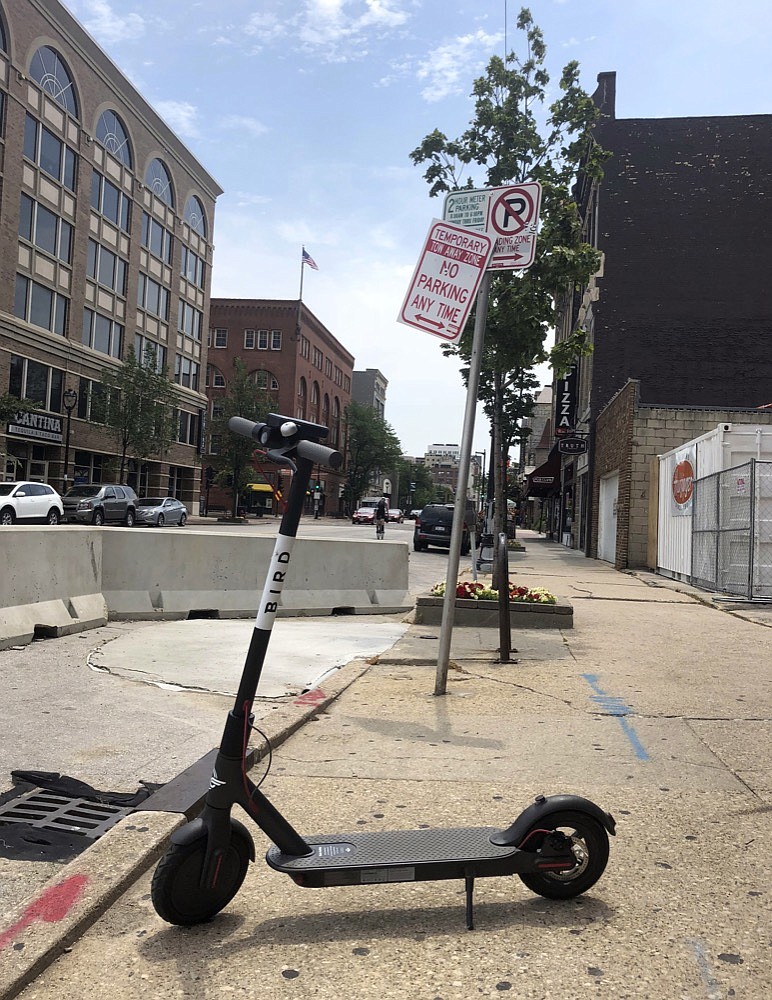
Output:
x=51 y=906
x=311 y=697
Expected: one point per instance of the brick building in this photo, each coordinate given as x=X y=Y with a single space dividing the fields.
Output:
x=106 y=222
x=681 y=306
x=294 y=357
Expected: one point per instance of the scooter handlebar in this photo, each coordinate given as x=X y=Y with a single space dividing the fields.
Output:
x=266 y=435
x=319 y=454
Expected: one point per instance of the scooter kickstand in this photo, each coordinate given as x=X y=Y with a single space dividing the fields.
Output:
x=469 y=883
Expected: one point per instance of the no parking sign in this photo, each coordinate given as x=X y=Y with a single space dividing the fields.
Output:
x=509 y=215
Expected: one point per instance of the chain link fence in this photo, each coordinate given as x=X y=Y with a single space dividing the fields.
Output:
x=732 y=531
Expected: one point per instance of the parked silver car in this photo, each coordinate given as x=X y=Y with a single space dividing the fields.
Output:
x=160 y=511
x=29 y=503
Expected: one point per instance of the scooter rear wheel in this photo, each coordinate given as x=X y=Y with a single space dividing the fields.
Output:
x=176 y=890
x=589 y=847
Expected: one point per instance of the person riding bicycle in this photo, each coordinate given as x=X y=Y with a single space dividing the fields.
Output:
x=381 y=516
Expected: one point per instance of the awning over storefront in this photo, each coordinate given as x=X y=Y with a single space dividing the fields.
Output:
x=260 y=488
x=544 y=481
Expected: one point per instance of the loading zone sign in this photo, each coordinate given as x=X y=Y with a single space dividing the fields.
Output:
x=446 y=279
x=508 y=214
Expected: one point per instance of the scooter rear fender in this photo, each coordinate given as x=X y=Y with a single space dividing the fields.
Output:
x=541 y=808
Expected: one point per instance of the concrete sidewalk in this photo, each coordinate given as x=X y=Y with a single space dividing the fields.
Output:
x=656 y=705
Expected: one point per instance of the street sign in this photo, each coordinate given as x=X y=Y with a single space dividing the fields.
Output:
x=445 y=281
x=509 y=214
x=572 y=446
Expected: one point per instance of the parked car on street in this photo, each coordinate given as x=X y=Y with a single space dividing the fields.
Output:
x=396 y=515
x=100 y=503
x=30 y=503
x=160 y=511
x=364 y=515
x=433 y=527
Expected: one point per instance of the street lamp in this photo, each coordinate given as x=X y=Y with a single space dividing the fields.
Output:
x=70 y=400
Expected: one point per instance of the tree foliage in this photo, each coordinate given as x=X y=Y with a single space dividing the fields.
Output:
x=139 y=407
x=233 y=460
x=11 y=405
x=373 y=447
x=516 y=136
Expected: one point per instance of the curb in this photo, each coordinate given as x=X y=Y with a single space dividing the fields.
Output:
x=43 y=927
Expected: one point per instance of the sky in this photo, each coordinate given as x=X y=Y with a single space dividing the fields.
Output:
x=306 y=111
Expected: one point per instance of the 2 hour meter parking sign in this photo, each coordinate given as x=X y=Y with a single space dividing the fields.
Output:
x=446 y=279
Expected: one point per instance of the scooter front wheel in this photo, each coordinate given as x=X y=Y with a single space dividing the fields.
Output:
x=589 y=845
x=176 y=890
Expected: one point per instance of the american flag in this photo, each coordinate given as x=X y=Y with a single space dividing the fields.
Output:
x=308 y=259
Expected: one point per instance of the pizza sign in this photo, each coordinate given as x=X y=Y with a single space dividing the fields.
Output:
x=683 y=484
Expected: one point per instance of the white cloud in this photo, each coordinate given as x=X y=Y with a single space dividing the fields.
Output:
x=242 y=123
x=338 y=29
x=180 y=116
x=108 y=27
x=450 y=68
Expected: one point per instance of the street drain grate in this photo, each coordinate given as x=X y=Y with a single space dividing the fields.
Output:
x=46 y=810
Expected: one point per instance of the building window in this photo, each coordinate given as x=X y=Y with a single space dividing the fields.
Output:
x=189 y=320
x=106 y=268
x=314 y=411
x=185 y=372
x=302 y=395
x=328 y=367
x=160 y=183
x=36 y=382
x=215 y=377
x=347 y=384
x=92 y=401
x=40 y=306
x=149 y=354
x=43 y=228
x=192 y=268
x=249 y=340
x=338 y=376
x=53 y=156
x=305 y=347
x=48 y=70
x=318 y=359
x=220 y=338
x=152 y=297
x=188 y=430
x=194 y=215
x=265 y=380
x=102 y=334
x=156 y=239
x=109 y=201
x=275 y=340
x=111 y=133
x=262 y=340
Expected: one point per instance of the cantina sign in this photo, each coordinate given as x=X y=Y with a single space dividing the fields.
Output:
x=33 y=424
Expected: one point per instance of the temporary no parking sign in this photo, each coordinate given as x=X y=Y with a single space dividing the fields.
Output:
x=513 y=220
x=446 y=280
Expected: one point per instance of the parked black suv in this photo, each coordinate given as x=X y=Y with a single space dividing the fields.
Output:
x=96 y=503
x=432 y=527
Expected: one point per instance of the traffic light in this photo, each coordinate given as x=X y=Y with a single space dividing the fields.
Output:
x=318 y=488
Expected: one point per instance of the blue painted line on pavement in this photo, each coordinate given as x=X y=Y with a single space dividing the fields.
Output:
x=612 y=705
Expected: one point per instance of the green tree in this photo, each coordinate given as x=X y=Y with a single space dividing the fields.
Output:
x=233 y=459
x=416 y=485
x=140 y=407
x=511 y=140
x=373 y=447
x=11 y=405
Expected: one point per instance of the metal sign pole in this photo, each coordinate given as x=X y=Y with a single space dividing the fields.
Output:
x=448 y=607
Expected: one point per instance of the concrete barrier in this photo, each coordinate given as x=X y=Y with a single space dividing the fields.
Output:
x=67 y=579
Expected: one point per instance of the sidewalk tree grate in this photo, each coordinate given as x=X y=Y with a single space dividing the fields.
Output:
x=47 y=810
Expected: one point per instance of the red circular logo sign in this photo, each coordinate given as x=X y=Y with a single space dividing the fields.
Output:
x=683 y=482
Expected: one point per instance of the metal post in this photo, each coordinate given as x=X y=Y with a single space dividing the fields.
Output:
x=449 y=604
x=70 y=400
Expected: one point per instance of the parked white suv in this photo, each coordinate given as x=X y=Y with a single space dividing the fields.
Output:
x=30 y=503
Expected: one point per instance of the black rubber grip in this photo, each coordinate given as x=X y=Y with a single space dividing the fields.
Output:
x=319 y=454
x=247 y=428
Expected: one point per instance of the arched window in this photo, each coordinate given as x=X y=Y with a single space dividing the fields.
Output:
x=326 y=410
x=3 y=42
x=313 y=413
x=214 y=377
x=265 y=380
x=48 y=70
x=194 y=215
x=160 y=183
x=335 y=429
x=302 y=399
x=111 y=133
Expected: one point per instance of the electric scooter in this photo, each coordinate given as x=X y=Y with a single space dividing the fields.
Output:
x=558 y=845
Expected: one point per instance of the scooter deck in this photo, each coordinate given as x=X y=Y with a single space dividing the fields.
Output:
x=398 y=856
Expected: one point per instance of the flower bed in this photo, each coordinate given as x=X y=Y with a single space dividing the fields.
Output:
x=478 y=606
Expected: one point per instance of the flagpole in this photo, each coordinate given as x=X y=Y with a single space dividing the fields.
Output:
x=300 y=296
